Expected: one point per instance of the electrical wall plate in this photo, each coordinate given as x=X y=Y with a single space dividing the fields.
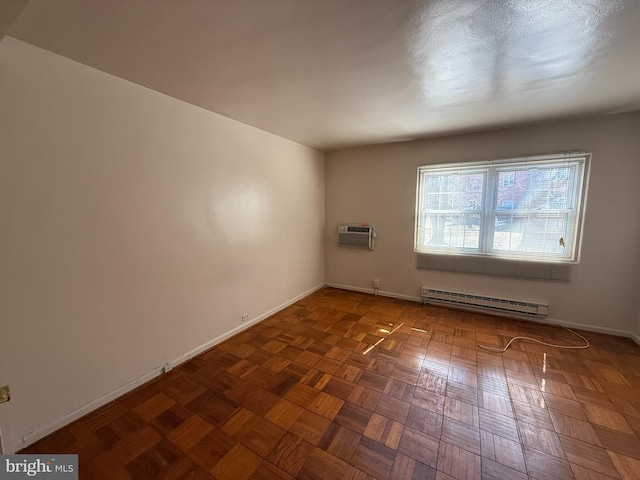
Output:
x=5 y=394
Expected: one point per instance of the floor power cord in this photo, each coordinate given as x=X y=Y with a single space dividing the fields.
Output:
x=568 y=347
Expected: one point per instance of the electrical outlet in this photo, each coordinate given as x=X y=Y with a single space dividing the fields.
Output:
x=5 y=394
x=245 y=317
x=376 y=283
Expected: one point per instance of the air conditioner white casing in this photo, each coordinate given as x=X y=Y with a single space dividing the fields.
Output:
x=360 y=235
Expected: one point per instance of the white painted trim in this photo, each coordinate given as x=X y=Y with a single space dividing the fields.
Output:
x=36 y=435
x=349 y=287
x=590 y=328
x=550 y=321
x=206 y=346
x=372 y=291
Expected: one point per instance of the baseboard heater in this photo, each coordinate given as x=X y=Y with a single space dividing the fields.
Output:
x=482 y=303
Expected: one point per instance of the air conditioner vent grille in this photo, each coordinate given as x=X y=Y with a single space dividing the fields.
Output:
x=356 y=235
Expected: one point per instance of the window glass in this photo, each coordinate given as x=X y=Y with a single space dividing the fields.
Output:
x=530 y=209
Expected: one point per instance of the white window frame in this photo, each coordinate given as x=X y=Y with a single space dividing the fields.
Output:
x=490 y=212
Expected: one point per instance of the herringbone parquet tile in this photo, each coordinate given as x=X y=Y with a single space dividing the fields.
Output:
x=303 y=395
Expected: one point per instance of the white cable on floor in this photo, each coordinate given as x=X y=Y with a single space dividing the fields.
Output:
x=571 y=347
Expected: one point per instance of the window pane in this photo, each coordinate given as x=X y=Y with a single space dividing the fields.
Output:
x=528 y=208
x=443 y=231
x=531 y=234
x=533 y=189
x=454 y=192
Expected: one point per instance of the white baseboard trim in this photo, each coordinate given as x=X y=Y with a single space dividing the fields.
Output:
x=73 y=415
x=87 y=408
x=372 y=291
x=550 y=321
x=211 y=343
x=589 y=328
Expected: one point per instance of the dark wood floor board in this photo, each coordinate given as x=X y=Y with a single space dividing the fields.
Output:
x=296 y=396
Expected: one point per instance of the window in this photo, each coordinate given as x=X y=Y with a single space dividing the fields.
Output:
x=527 y=209
x=509 y=180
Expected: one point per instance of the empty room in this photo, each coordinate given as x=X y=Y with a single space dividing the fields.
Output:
x=320 y=239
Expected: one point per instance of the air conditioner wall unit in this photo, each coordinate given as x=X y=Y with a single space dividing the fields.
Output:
x=360 y=235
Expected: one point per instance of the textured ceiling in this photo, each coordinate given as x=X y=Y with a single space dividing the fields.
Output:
x=336 y=73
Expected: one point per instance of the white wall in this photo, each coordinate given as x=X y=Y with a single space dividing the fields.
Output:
x=637 y=329
x=134 y=228
x=377 y=184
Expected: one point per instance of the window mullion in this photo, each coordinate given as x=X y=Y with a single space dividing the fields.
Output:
x=488 y=211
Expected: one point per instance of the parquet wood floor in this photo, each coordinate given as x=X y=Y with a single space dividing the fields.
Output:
x=296 y=397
